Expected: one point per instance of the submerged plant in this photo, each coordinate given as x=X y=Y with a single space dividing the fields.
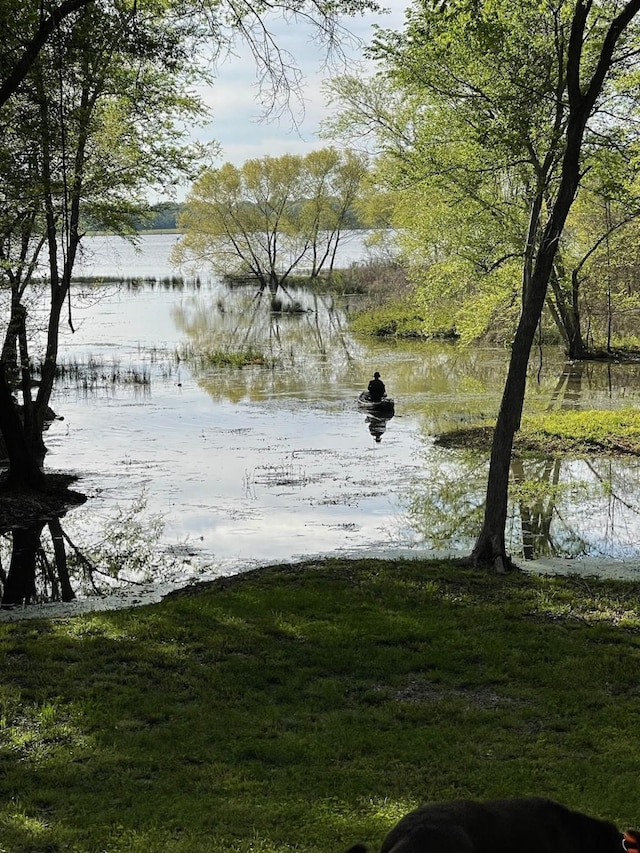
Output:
x=204 y=358
x=96 y=373
x=279 y=306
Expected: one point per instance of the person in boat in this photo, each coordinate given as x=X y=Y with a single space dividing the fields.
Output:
x=376 y=388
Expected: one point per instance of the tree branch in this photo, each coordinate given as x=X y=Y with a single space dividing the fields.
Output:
x=47 y=25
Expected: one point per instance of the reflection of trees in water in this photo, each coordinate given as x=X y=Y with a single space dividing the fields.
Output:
x=302 y=344
x=569 y=509
x=40 y=561
x=34 y=574
x=568 y=391
x=537 y=484
x=443 y=380
x=535 y=493
x=445 y=505
x=557 y=507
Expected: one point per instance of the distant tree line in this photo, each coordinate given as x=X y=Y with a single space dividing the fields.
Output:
x=165 y=216
x=160 y=217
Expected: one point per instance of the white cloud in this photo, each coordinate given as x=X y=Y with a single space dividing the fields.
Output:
x=238 y=122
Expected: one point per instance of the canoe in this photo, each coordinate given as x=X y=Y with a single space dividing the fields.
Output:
x=385 y=408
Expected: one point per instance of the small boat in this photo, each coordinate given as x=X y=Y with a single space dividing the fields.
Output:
x=384 y=408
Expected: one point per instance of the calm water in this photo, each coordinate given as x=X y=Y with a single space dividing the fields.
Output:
x=245 y=466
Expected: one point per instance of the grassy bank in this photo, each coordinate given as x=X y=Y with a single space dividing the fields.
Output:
x=307 y=708
x=563 y=433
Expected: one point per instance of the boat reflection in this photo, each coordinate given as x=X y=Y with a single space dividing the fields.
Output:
x=377 y=426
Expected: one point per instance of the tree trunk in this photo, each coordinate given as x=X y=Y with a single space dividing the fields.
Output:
x=567 y=314
x=62 y=567
x=24 y=470
x=490 y=546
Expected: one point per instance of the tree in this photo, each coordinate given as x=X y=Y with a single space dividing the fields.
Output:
x=93 y=97
x=471 y=154
x=88 y=155
x=332 y=184
x=79 y=138
x=43 y=24
x=272 y=215
x=585 y=82
x=511 y=103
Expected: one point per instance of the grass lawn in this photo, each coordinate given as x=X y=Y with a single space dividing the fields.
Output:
x=308 y=708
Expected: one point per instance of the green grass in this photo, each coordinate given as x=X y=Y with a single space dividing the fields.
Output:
x=577 y=433
x=249 y=357
x=307 y=708
x=394 y=319
x=580 y=433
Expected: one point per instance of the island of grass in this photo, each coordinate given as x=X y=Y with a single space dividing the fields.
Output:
x=572 y=433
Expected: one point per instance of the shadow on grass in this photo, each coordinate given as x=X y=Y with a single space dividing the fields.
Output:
x=307 y=708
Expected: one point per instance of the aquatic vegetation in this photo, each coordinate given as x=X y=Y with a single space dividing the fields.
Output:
x=95 y=372
x=204 y=358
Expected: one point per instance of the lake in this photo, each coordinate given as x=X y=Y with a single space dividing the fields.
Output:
x=210 y=470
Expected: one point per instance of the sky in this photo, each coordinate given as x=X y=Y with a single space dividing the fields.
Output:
x=238 y=124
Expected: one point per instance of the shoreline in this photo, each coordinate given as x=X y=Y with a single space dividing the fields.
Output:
x=133 y=596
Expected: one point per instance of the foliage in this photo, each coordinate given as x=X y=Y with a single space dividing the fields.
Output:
x=81 y=147
x=127 y=552
x=308 y=708
x=272 y=215
x=392 y=320
x=468 y=111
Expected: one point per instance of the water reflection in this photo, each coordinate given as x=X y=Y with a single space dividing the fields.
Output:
x=35 y=572
x=377 y=426
x=49 y=561
x=264 y=463
x=557 y=506
x=309 y=347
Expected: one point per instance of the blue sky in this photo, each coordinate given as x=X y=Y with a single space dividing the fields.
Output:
x=238 y=125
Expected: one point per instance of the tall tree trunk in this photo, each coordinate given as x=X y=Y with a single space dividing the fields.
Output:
x=490 y=545
x=24 y=470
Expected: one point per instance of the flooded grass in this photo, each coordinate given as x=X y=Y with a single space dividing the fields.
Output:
x=281 y=475
x=168 y=282
x=203 y=357
x=96 y=372
x=578 y=433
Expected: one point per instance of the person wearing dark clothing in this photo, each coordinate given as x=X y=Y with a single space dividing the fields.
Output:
x=376 y=388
